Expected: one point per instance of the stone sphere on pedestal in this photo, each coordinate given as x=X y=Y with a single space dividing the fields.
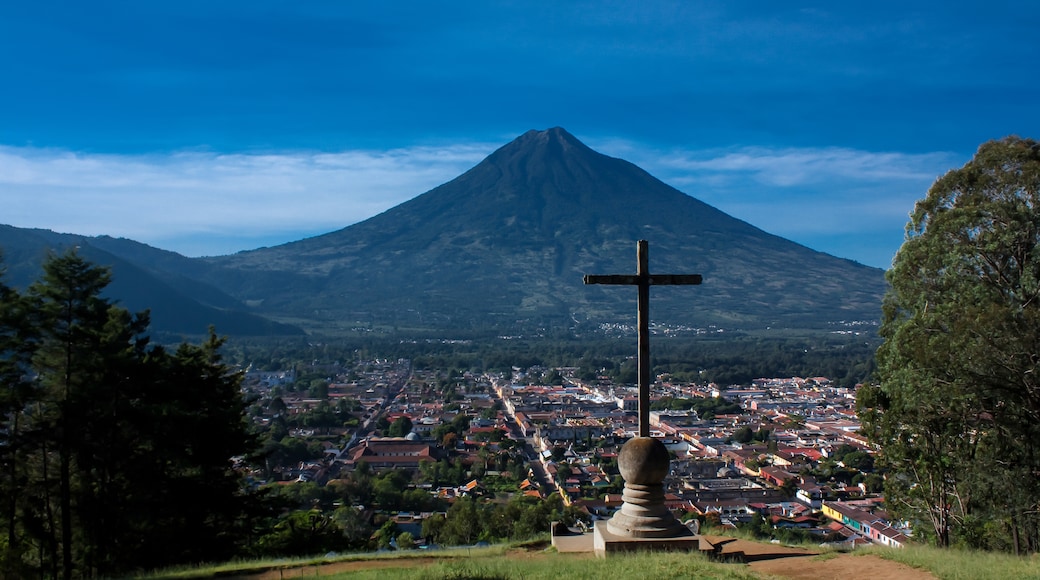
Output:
x=643 y=461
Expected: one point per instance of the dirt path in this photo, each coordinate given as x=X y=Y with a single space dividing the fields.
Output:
x=773 y=561
x=341 y=567
x=840 y=566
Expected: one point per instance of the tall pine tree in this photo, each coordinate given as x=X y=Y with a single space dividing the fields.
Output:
x=17 y=392
x=117 y=453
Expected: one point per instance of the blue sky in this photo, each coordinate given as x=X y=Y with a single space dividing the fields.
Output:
x=212 y=127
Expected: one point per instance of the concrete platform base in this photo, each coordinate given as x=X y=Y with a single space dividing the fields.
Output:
x=574 y=543
x=605 y=542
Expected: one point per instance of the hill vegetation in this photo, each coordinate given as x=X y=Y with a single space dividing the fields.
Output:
x=144 y=278
x=115 y=452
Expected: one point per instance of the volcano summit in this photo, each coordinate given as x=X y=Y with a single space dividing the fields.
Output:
x=503 y=248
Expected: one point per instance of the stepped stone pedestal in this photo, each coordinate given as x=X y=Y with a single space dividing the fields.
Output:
x=643 y=522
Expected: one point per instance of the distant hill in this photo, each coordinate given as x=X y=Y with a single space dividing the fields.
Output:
x=141 y=280
x=503 y=248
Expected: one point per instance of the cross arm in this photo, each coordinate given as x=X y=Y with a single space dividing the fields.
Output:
x=653 y=279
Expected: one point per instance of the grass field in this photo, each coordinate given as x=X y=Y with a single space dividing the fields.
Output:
x=532 y=561
x=964 y=564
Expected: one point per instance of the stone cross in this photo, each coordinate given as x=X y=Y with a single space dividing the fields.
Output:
x=643 y=279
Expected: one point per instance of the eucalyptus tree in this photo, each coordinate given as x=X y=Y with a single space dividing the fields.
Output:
x=956 y=405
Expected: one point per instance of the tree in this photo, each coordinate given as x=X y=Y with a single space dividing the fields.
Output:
x=558 y=453
x=387 y=488
x=553 y=378
x=386 y=535
x=303 y=532
x=405 y=541
x=462 y=525
x=400 y=427
x=201 y=426
x=859 y=460
x=72 y=318
x=318 y=389
x=356 y=529
x=956 y=404
x=449 y=441
x=743 y=435
x=17 y=393
x=117 y=452
x=432 y=527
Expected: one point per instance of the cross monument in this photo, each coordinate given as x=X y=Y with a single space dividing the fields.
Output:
x=644 y=280
x=643 y=520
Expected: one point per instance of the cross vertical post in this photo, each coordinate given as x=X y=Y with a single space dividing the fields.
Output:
x=644 y=280
x=643 y=342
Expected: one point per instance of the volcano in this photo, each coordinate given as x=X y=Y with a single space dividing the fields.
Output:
x=504 y=247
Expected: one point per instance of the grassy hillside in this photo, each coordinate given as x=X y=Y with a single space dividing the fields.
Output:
x=531 y=561
x=495 y=562
x=957 y=564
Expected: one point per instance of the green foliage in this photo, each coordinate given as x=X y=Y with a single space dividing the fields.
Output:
x=456 y=427
x=387 y=488
x=386 y=535
x=302 y=495
x=515 y=560
x=552 y=378
x=16 y=391
x=400 y=427
x=743 y=435
x=846 y=359
x=628 y=373
x=318 y=389
x=857 y=459
x=302 y=532
x=405 y=541
x=442 y=471
x=761 y=528
x=957 y=405
x=520 y=518
x=118 y=454
x=462 y=525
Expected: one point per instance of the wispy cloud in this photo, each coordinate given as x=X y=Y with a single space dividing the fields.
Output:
x=190 y=196
x=204 y=203
x=846 y=202
x=803 y=167
x=833 y=189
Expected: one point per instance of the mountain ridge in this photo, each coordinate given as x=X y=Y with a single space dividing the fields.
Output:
x=178 y=305
x=503 y=247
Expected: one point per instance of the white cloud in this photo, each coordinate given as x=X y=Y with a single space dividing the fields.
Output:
x=198 y=202
x=166 y=197
x=846 y=202
x=800 y=167
x=831 y=189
